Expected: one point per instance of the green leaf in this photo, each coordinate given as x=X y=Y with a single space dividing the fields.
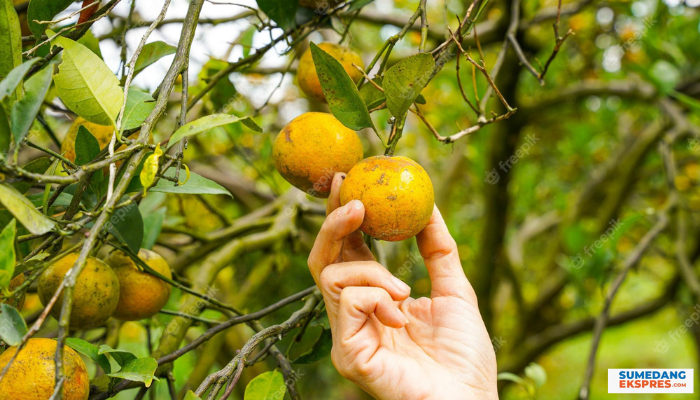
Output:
x=321 y=349
x=191 y=396
x=404 y=81
x=86 y=84
x=507 y=376
x=5 y=132
x=126 y=224
x=207 y=123
x=537 y=374
x=245 y=39
x=91 y=42
x=24 y=111
x=35 y=222
x=10 y=39
x=321 y=321
x=44 y=10
x=7 y=256
x=151 y=228
x=342 y=95
x=138 y=106
x=138 y=370
x=120 y=356
x=86 y=147
x=38 y=166
x=280 y=11
x=10 y=82
x=266 y=386
x=12 y=325
x=90 y=350
x=197 y=184
x=63 y=199
x=372 y=96
x=357 y=4
x=151 y=53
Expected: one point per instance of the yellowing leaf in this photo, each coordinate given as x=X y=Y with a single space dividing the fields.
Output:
x=86 y=84
x=187 y=175
x=23 y=209
x=150 y=169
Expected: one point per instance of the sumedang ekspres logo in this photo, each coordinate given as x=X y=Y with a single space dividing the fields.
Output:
x=650 y=381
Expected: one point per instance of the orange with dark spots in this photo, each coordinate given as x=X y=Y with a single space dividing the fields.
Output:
x=397 y=194
x=306 y=72
x=312 y=148
x=31 y=375
x=141 y=295
x=95 y=296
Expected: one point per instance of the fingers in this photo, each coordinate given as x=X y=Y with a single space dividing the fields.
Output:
x=439 y=250
x=334 y=198
x=358 y=303
x=329 y=243
x=354 y=248
x=337 y=277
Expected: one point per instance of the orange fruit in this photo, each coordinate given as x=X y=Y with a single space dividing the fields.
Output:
x=141 y=295
x=312 y=148
x=306 y=72
x=397 y=194
x=31 y=375
x=95 y=296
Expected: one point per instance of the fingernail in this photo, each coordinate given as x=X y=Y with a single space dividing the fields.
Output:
x=347 y=209
x=357 y=205
x=402 y=316
x=400 y=285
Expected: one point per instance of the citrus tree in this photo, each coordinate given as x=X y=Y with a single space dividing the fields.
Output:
x=158 y=228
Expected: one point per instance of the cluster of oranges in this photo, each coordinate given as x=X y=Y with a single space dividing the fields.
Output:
x=396 y=191
x=115 y=287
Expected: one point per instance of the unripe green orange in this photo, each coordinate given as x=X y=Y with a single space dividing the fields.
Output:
x=95 y=295
x=397 y=194
x=141 y=295
x=312 y=148
x=306 y=72
x=31 y=375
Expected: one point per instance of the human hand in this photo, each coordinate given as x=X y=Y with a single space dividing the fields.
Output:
x=393 y=346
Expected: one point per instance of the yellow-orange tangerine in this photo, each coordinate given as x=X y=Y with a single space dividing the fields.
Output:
x=397 y=194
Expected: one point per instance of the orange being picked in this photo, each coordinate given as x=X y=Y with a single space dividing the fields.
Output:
x=141 y=295
x=397 y=194
x=306 y=72
x=312 y=148
x=95 y=296
x=31 y=375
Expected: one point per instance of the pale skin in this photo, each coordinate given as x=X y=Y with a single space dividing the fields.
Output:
x=391 y=345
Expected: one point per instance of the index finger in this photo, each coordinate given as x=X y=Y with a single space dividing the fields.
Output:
x=340 y=223
x=439 y=251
